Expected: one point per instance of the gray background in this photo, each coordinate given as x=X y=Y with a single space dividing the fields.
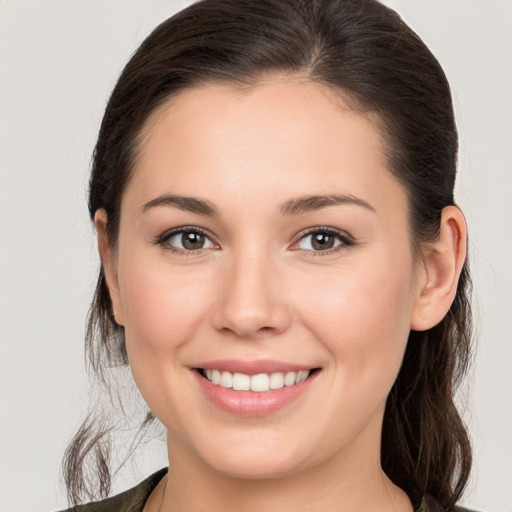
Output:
x=58 y=62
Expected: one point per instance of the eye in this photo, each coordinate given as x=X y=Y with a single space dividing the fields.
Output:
x=326 y=240
x=184 y=240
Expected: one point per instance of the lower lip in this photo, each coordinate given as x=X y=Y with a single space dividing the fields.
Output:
x=250 y=403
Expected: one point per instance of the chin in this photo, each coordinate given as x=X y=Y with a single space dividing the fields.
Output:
x=257 y=469
x=256 y=459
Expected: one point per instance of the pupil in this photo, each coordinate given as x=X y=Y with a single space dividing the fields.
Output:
x=322 y=241
x=192 y=240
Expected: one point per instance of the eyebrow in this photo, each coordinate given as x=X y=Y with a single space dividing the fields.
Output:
x=292 y=207
x=311 y=203
x=189 y=204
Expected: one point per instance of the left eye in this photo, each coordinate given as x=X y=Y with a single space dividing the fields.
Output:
x=322 y=240
x=188 y=240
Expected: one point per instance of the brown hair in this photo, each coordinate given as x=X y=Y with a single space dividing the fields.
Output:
x=364 y=51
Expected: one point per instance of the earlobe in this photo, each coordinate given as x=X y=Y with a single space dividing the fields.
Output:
x=442 y=263
x=109 y=264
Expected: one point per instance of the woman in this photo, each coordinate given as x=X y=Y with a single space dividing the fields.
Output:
x=283 y=263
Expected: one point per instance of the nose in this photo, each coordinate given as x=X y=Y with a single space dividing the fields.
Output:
x=251 y=301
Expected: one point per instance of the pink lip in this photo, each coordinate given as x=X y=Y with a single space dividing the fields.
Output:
x=250 y=403
x=251 y=367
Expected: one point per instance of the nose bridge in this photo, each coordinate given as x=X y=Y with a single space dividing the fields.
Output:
x=249 y=303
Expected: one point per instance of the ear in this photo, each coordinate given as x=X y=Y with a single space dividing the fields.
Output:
x=441 y=267
x=109 y=264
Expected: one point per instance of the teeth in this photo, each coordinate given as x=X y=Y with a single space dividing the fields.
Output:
x=241 y=382
x=226 y=380
x=259 y=383
x=290 y=378
x=301 y=376
x=216 y=376
x=276 y=380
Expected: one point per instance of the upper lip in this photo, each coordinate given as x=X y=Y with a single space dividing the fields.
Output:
x=252 y=367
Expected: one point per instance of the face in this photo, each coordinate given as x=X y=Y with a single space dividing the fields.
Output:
x=264 y=244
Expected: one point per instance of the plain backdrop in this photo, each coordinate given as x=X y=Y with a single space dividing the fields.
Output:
x=58 y=62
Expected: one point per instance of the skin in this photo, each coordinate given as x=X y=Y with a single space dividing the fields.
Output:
x=260 y=290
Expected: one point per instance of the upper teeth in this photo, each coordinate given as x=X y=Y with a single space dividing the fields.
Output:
x=259 y=382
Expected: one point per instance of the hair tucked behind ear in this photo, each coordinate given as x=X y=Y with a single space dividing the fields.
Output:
x=363 y=51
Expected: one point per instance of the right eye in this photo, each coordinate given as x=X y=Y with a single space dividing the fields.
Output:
x=185 y=240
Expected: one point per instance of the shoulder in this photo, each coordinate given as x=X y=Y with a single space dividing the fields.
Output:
x=132 y=500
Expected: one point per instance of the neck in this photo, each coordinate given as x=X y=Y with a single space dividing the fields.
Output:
x=346 y=482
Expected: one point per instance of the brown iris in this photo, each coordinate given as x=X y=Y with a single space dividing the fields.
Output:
x=192 y=240
x=322 y=241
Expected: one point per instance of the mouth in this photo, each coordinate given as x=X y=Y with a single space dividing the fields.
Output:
x=254 y=388
x=257 y=383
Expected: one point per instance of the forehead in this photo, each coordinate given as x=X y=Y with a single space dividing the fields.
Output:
x=283 y=138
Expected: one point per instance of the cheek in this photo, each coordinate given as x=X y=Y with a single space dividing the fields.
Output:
x=362 y=316
x=162 y=308
x=161 y=305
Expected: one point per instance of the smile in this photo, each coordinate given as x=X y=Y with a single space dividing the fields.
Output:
x=254 y=388
x=259 y=383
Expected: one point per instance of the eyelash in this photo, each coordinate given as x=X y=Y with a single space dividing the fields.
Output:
x=165 y=237
x=345 y=239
